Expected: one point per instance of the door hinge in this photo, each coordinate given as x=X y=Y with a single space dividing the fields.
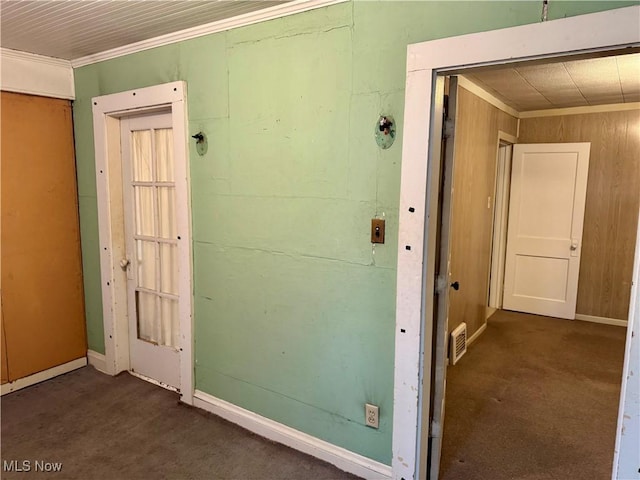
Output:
x=434 y=429
x=441 y=284
x=447 y=128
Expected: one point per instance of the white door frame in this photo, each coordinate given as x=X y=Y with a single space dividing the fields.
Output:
x=420 y=183
x=500 y=211
x=107 y=111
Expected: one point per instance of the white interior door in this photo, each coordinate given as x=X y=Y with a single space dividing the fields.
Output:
x=151 y=243
x=544 y=240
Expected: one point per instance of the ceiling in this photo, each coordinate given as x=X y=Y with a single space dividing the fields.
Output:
x=593 y=81
x=74 y=29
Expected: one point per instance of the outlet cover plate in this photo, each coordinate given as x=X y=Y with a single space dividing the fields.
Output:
x=371 y=416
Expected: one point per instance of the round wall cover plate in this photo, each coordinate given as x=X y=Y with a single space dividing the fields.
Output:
x=385 y=131
x=202 y=144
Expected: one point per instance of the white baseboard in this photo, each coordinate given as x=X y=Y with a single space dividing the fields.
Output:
x=97 y=361
x=605 y=320
x=42 y=376
x=475 y=336
x=338 y=456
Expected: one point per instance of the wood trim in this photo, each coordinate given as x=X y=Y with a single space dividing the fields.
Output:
x=625 y=454
x=418 y=209
x=42 y=376
x=556 y=112
x=478 y=91
x=607 y=321
x=476 y=335
x=97 y=361
x=343 y=459
x=507 y=137
x=278 y=11
x=36 y=75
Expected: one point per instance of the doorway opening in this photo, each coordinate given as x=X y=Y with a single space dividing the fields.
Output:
x=144 y=228
x=421 y=316
x=471 y=249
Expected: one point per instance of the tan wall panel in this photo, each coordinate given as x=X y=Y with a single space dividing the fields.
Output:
x=613 y=198
x=476 y=147
x=41 y=262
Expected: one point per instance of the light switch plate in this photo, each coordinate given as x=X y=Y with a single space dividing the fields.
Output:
x=377 y=230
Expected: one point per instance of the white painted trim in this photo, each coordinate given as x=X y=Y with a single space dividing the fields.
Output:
x=506 y=137
x=607 y=321
x=97 y=361
x=477 y=334
x=625 y=454
x=42 y=376
x=582 y=33
x=107 y=110
x=343 y=459
x=500 y=217
x=478 y=91
x=277 y=11
x=33 y=74
x=555 y=112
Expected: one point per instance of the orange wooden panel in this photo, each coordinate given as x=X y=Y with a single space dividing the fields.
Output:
x=41 y=262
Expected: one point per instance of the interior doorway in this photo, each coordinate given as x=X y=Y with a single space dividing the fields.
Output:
x=445 y=56
x=145 y=230
x=466 y=245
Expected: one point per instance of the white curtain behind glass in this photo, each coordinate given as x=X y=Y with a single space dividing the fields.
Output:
x=155 y=233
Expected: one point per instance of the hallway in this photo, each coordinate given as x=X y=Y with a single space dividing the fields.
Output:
x=534 y=398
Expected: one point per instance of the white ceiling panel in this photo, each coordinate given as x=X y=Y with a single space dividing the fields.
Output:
x=77 y=28
x=594 y=81
x=510 y=87
x=596 y=77
x=628 y=69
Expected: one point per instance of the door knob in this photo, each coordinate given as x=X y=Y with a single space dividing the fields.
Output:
x=455 y=285
x=574 y=248
x=124 y=263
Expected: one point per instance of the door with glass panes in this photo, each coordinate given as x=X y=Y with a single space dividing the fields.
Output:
x=151 y=263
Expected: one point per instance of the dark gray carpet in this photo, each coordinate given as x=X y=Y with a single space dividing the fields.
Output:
x=534 y=398
x=103 y=427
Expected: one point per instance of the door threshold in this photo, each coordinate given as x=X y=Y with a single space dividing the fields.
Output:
x=154 y=381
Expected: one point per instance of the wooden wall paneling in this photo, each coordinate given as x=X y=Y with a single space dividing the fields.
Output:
x=613 y=199
x=41 y=261
x=476 y=144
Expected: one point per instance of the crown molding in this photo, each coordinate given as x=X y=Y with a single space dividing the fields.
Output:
x=278 y=11
x=477 y=90
x=554 y=112
x=33 y=74
x=7 y=53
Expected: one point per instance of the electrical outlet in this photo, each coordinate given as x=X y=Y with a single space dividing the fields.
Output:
x=371 y=415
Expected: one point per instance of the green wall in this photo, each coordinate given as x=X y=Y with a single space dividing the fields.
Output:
x=294 y=310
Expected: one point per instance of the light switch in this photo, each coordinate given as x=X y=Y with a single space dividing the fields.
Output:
x=377 y=230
